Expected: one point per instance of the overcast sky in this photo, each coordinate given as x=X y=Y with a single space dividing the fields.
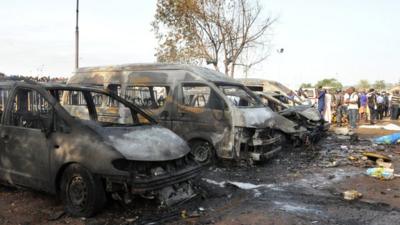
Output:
x=345 y=39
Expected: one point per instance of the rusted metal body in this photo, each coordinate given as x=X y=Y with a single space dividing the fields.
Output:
x=41 y=135
x=304 y=115
x=255 y=84
x=199 y=105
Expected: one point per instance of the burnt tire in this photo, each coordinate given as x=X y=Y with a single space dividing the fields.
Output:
x=82 y=193
x=203 y=152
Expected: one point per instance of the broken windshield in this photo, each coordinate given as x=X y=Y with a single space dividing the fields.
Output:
x=239 y=96
x=100 y=107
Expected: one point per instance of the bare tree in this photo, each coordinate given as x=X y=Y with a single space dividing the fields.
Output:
x=217 y=32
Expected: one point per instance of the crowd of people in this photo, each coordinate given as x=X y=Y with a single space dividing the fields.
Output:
x=354 y=106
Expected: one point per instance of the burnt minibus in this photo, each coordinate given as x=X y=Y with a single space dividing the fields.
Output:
x=218 y=116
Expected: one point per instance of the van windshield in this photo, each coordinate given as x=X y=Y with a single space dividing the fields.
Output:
x=105 y=109
x=239 y=96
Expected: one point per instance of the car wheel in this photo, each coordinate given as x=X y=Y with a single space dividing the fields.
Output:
x=82 y=193
x=203 y=152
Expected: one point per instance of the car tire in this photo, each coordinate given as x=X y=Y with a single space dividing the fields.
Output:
x=203 y=152
x=82 y=193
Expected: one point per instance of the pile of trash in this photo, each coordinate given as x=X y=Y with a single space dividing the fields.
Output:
x=345 y=148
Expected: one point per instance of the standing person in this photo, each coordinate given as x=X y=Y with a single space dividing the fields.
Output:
x=380 y=101
x=351 y=99
x=386 y=103
x=372 y=105
x=363 y=106
x=328 y=107
x=291 y=96
x=395 y=102
x=321 y=100
x=340 y=107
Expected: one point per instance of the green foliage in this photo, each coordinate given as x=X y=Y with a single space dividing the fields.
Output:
x=363 y=84
x=379 y=85
x=306 y=85
x=332 y=83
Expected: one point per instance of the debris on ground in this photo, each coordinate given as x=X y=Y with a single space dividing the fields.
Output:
x=381 y=173
x=381 y=163
x=351 y=195
x=388 y=139
x=375 y=156
x=56 y=215
x=384 y=127
x=343 y=131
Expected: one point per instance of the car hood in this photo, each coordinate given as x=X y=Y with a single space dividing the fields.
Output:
x=264 y=117
x=308 y=112
x=145 y=143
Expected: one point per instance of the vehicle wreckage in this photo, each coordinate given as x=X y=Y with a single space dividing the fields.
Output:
x=217 y=115
x=82 y=143
x=304 y=115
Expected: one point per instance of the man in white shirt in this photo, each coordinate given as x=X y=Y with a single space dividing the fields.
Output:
x=381 y=104
x=351 y=100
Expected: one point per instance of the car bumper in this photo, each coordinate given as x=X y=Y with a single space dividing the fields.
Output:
x=266 y=155
x=143 y=185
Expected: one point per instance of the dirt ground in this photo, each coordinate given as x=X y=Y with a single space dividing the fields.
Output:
x=299 y=186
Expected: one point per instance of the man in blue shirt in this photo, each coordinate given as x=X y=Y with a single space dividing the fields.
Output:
x=363 y=106
x=321 y=100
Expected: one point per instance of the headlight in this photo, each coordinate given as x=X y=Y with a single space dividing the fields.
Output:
x=158 y=171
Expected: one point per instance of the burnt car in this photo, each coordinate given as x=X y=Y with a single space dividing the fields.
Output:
x=215 y=114
x=304 y=115
x=83 y=143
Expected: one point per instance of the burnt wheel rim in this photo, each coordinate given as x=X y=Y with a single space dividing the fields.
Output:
x=202 y=152
x=77 y=192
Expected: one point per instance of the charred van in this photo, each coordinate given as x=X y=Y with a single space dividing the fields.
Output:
x=217 y=115
x=304 y=115
x=82 y=143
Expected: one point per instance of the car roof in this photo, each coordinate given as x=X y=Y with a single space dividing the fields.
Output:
x=47 y=85
x=200 y=72
x=268 y=93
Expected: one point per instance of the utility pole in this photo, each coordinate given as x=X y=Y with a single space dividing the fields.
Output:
x=77 y=36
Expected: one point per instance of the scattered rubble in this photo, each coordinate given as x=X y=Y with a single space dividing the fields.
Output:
x=388 y=139
x=381 y=173
x=351 y=195
x=375 y=156
x=384 y=127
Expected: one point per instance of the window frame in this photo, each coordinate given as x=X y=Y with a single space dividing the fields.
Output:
x=155 y=104
x=7 y=115
x=6 y=102
x=92 y=107
x=214 y=92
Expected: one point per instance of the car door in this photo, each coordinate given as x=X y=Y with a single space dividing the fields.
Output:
x=25 y=157
x=4 y=93
x=199 y=112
